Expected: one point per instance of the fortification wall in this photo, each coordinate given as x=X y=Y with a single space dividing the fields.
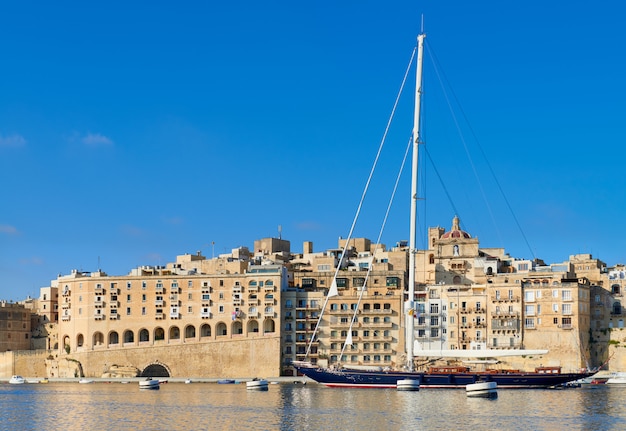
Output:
x=27 y=363
x=258 y=357
x=231 y=358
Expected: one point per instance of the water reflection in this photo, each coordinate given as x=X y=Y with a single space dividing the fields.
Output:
x=303 y=407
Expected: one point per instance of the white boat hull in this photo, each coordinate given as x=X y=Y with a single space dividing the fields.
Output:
x=17 y=380
x=482 y=390
x=408 y=385
x=149 y=384
x=257 y=385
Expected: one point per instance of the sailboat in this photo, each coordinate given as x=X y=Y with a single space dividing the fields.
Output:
x=435 y=377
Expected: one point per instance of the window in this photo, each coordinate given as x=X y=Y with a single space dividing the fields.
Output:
x=342 y=282
x=143 y=311
x=529 y=323
x=566 y=322
x=529 y=296
x=530 y=310
x=566 y=295
x=128 y=311
x=567 y=308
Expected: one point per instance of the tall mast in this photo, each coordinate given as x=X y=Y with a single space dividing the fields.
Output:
x=410 y=305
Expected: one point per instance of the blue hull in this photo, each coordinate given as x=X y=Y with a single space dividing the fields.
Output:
x=387 y=379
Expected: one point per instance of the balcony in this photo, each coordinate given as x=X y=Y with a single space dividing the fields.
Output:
x=66 y=317
x=159 y=303
x=174 y=315
x=114 y=304
x=114 y=316
x=66 y=305
x=99 y=317
x=98 y=303
x=66 y=292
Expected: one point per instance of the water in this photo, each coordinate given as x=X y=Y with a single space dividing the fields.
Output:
x=210 y=406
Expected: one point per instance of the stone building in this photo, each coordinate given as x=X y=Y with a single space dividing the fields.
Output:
x=15 y=327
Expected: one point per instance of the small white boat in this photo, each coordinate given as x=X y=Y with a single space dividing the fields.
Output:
x=188 y=381
x=617 y=379
x=17 y=380
x=149 y=384
x=257 y=384
x=482 y=390
x=408 y=385
x=85 y=381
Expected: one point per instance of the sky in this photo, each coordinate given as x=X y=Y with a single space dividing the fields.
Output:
x=133 y=132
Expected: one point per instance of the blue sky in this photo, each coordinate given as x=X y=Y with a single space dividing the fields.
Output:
x=131 y=132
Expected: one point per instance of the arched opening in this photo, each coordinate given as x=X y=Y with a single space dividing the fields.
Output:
x=114 y=338
x=221 y=329
x=456 y=280
x=190 y=331
x=237 y=328
x=66 y=344
x=269 y=326
x=80 y=340
x=174 y=333
x=129 y=337
x=253 y=326
x=144 y=335
x=205 y=330
x=159 y=334
x=155 y=370
x=431 y=259
x=98 y=339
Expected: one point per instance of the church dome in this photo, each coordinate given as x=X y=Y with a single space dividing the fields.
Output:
x=456 y=231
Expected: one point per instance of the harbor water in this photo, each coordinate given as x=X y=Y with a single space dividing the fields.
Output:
x=289 y=406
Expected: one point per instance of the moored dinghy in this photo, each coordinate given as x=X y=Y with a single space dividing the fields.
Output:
x=482 y=390
x=149 y=384
x=257 y=385
x=408 y=385
x=17 y=380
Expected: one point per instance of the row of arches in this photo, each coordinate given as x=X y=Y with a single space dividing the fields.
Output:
x=173 y=334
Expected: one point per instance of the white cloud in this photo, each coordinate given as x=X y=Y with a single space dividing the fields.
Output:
x=12 y=141
x=96 y=140
x=8 y=229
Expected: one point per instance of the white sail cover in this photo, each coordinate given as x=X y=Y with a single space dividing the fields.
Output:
x=333 y=289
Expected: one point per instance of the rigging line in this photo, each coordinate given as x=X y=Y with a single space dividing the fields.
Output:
x=445 y=189
x=491 y=171
x=464 y=142
x=365 y=190
x=378 y=239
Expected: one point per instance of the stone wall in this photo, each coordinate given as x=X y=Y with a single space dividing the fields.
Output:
x=27 y=363
x=233 y=358
x=258 y=357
